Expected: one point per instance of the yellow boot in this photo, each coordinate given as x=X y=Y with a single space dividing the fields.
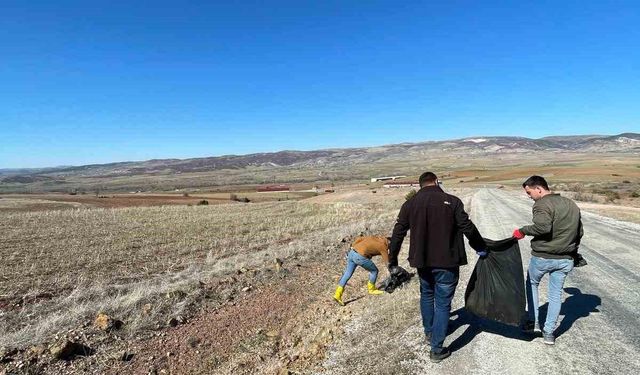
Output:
x=371 y=287
x=338 y=295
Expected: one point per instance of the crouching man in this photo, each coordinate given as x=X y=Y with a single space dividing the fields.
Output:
x=362 y=250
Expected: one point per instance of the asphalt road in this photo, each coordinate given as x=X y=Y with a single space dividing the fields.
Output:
x=598 y=330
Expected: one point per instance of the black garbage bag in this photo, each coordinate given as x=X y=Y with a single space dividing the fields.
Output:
x=578 y=260
x=496 y=288
x=396 y=280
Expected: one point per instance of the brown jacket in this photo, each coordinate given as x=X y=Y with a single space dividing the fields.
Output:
x=370 y=246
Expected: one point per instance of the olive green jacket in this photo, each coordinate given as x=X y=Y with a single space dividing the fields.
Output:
x=557 y=227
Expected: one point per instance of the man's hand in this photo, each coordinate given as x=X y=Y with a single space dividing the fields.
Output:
x=482 y=253
x=517 y=234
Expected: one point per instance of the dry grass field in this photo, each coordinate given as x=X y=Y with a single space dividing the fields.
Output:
x=57 y=201
x=48 y=202
x=62 y=267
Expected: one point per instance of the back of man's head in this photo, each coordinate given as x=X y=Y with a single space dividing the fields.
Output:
x=534 y=181
x=427 y=178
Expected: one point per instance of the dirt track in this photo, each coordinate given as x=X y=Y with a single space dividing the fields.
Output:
x=597 y=330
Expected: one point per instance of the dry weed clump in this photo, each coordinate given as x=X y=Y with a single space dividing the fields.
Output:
x=585 y=197
x=61 y=268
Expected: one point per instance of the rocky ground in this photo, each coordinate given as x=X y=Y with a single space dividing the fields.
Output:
x=275 y=318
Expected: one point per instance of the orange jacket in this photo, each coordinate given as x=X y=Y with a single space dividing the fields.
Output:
x=370 y=246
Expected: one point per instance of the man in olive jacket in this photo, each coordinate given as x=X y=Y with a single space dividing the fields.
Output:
x=436 y=221
x=556 y=230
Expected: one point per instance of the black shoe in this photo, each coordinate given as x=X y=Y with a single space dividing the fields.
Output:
x=438 y=357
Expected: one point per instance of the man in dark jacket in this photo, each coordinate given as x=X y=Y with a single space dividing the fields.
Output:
x=436 y=221
x=557 y=231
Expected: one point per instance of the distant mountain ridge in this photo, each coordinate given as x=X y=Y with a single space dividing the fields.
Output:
x=622 y=143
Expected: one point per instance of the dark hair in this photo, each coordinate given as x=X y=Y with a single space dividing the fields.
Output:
x=427 y=178
x=534 y=181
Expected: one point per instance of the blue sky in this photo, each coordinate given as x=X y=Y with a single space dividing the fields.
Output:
x=94 y=82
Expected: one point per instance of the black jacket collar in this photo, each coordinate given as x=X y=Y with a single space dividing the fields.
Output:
x=431 y=188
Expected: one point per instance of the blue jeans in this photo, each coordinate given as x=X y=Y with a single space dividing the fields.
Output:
x=437 y=286
x=557 y=270
x=353 y=260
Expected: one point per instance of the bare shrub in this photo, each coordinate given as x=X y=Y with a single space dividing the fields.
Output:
x=585 y=197
x=410 y=194
x=203 y=202
x=575 y=187
x=611 y=196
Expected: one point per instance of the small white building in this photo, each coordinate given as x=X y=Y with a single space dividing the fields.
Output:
x=388 y=178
